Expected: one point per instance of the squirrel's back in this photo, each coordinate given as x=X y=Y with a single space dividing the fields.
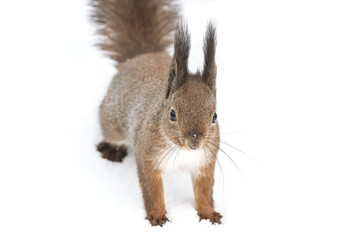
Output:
x=136 y=93
x=131 y=28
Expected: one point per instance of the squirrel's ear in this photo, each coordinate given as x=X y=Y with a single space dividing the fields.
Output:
x=179 y=64
x=172 y=77
x=209 y=71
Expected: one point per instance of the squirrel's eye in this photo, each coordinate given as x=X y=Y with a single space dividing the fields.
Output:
x=172 y=115
x=214 y=118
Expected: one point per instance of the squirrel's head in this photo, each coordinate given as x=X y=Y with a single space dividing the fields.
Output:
x=190 y=117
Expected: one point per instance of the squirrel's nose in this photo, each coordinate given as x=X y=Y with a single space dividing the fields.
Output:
x=194 y=141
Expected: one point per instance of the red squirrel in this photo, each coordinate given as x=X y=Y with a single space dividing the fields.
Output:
x=154 y=106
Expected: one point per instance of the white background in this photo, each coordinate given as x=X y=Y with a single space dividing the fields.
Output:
x=288 y=96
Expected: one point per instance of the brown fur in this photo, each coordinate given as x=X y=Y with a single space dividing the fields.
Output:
x=119 y=22
x=135 y=111
x=203 y=195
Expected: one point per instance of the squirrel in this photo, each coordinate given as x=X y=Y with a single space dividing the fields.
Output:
x=154 y=107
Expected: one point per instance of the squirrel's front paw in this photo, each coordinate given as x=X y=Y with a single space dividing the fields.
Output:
x=214 y=217
x=157 y=221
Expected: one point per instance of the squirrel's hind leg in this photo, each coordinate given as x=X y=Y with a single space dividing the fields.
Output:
x=113 y=146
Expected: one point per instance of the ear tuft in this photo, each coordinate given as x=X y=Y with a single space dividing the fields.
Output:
x=182 y=49
x=179 y=65
x=209 y=71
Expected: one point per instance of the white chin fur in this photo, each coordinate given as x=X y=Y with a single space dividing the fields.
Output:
x=182 y=160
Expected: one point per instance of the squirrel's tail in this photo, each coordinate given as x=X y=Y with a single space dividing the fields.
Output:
x=133 y=27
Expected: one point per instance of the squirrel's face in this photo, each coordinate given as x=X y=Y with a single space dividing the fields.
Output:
x=190 y=117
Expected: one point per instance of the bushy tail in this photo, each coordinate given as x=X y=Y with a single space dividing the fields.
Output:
x=133 y=27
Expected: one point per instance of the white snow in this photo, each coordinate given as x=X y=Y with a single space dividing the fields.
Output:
x=288 y=96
